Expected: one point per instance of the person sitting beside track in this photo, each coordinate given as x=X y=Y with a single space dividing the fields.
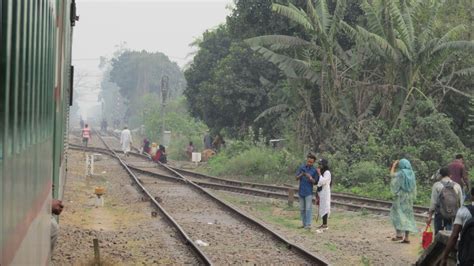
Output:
x=446 y=195
x=160 y=155
x=146 y=146
x=153 y=150
x=56 y=209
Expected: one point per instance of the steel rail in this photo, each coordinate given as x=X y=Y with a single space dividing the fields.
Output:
x=270 y=194
x=290 y=245
x=183 y=234
x=344 y=201
x=340 y=196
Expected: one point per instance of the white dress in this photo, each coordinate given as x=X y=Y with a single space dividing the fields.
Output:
x=325 y=194
x=126 y=140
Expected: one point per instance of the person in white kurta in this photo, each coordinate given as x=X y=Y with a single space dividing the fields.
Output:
x=126 y=140
x=325 y=193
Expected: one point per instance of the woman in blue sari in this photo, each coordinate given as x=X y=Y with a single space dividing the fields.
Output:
x=403 y=186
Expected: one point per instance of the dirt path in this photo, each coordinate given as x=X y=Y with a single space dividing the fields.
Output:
x=124 y=226
x=352 y=239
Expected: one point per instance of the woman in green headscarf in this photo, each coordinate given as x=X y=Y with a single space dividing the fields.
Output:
x=403 y=186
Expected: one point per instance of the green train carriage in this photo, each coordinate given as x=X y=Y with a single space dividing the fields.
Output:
x=35 y=94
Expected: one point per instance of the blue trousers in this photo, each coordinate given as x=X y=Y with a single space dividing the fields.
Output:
x=306 y=209
x=442 y=224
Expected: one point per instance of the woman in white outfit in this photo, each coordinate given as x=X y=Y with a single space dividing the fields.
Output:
x=324 y=185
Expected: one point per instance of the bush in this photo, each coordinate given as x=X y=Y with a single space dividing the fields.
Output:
x=364 y=172
x=243 y=158
x=379 y=190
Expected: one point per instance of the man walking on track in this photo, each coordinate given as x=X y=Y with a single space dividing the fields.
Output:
x=86 y=134
x=126 y=140
x=306 y=174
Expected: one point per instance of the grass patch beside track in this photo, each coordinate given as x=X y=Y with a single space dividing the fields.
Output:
x=353 y=238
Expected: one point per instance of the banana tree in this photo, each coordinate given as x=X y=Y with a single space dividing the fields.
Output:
x=400 y=36
x=317 y=60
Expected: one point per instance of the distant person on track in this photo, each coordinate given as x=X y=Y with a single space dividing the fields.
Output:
x=103 y=126
x=190 y=150
x=81 y=123
x=306 y=175
x=146 y=146
x=403 y=186
x=207 y=140
x=56 y=209
x=126 y=140
x=86 y=135
x=463 y=230
x=324 y=191
x=160 y=155
x=154 y=149
x=446 y=199
x=458 y=173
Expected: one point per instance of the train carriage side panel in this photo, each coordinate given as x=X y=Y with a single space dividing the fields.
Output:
x=62 y=88
x=29 y=107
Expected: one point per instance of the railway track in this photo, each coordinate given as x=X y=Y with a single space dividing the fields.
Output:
x=340 y=200
x=234 y=237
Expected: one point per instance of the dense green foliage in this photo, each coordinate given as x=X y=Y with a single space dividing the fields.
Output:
x=360 y=82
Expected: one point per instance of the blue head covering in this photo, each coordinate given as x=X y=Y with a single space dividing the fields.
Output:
x=406 y=176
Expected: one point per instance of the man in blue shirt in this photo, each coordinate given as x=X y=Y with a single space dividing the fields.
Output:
x=306 y=174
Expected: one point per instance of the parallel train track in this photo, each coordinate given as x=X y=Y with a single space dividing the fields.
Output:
x=232 y=225
x=340 y=200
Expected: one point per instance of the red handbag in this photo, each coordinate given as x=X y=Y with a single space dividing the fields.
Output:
x=427 y=237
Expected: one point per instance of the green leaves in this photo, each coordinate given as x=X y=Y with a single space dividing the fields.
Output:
x=281 y=42
x=292 y=68
x=295 y=14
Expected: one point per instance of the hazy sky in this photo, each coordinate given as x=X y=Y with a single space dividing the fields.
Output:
x=165 y=26
x=153 y=25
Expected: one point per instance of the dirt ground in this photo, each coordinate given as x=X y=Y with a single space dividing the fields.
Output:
x=352 y=239
x=127 y=233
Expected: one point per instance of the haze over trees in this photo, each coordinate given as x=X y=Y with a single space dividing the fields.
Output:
x=132 y=76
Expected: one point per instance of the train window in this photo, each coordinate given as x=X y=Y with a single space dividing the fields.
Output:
x=3 y=70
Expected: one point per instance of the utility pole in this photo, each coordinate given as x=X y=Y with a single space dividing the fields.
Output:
x=164 y=97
